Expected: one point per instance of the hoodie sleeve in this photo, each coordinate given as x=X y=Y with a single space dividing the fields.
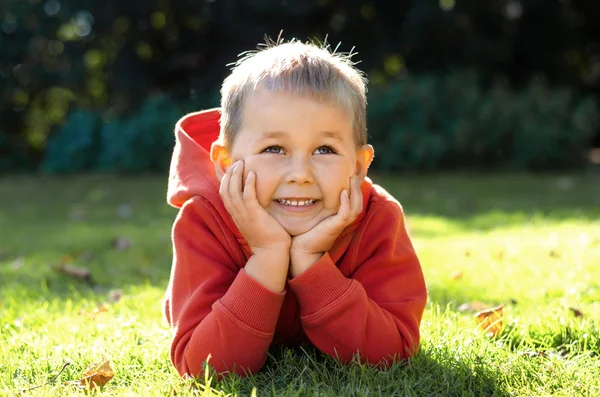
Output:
x=214 y=307
x=377 y=311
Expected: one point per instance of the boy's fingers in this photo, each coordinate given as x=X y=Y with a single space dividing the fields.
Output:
x=344 y=211
x=224 y=187
x=235 y=186
x=356 y=197
x=249 y=194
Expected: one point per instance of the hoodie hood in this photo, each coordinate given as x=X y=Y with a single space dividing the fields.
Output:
x=192 y=172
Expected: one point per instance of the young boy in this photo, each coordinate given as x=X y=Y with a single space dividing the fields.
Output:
x=280 y=237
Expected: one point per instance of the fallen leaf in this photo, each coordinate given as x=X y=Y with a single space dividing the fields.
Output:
x=98 y=310
x=489 y=321
x=94 y=312
x=472 y=307
x=576 y=312
x=97 y=375
x=115 y=295
x=120 y=244
x=456 y=275
x=80 y=273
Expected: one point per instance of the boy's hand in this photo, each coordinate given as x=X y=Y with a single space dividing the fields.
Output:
x=260 y=230
x=308 y=247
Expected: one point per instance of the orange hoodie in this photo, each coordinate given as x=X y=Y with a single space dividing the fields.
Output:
x=366 y=295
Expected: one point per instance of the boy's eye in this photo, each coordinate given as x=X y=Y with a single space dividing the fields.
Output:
x=325 y=150
x=273 y=149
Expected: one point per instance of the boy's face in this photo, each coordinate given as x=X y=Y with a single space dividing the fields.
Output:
x=303 y=153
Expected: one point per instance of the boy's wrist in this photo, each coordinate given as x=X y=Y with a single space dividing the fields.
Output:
x=273 y=249
x=269 y=267
x=301 y=261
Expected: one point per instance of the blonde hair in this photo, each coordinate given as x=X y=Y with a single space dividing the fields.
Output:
x=298 y=68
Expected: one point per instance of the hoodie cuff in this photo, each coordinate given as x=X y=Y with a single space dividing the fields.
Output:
x=253 y=304
x=319 y=286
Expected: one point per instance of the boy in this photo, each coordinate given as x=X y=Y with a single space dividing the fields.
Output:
x=280 y=237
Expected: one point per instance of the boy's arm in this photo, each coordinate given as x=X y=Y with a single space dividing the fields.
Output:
x=376 y=312
x=212 y=306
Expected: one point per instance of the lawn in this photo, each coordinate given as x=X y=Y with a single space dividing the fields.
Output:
x=531 y=243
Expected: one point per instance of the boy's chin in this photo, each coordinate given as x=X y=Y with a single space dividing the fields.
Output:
x=296 y=226
x=296 y=230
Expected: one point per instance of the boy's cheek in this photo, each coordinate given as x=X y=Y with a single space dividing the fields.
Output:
x=260 y=186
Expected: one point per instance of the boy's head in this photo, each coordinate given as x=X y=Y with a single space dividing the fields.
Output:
x=300 y=69
x=295 y=113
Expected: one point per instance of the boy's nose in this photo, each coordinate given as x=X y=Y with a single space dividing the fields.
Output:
x=299 y=171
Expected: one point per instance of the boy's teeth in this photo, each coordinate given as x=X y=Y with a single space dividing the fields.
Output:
x=296 y=202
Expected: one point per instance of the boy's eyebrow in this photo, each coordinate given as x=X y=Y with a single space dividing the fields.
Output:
x=333 y=134
x=272 y=135
x=279 y=135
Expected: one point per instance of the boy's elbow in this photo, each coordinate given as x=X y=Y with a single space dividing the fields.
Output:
x=221 y=367
x=407 y=348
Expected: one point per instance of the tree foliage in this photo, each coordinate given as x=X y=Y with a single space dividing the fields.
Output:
x=76 y=57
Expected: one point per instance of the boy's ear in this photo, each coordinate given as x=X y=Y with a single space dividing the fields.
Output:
x=220 y=158
x=364 y=157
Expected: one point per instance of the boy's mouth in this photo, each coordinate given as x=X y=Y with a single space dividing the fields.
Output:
x=296 y=202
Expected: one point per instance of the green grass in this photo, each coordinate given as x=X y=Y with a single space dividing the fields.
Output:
x=531 y=243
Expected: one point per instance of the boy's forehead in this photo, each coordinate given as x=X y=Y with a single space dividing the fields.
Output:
x=286 y=116
x=274 y=110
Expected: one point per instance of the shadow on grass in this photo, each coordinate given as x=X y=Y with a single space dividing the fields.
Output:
x=481 y=202
x=293 y=371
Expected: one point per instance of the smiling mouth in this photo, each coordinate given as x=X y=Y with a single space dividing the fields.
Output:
x=297 y=202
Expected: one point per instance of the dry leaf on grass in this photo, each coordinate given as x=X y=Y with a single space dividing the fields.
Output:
x=576 y=312
x=489 y=321
x=94 y=312
x=97 y=375
x=80 y=273
x=456 y=275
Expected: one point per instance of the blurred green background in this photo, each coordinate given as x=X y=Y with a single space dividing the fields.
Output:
x=454 y=84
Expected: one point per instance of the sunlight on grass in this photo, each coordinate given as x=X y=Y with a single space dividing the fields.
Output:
x=518 y=240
